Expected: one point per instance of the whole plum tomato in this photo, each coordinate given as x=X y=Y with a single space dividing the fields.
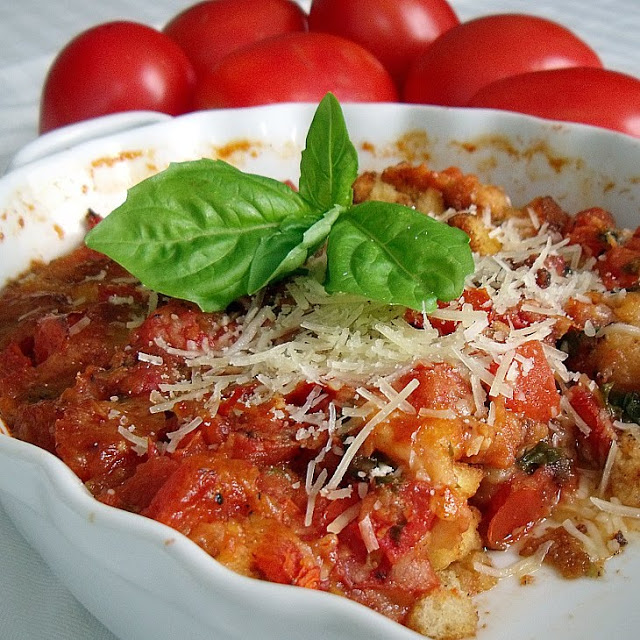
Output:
x=473 y=54
x=209 y=30
x=588 y=95
x=395 y=31
x=116 y=66
x=296 y=67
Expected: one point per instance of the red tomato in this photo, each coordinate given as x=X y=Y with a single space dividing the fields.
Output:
x=535 y=393
x=588 y=95
x=296 y=67
x=592 y=229
x=395 y=31
x=116 y=66
x=205 y=488
x=282 y=557
x=441 y=386
x=475 y=53
x=620 y=268
x=137 y=491
x=589 y=405
x=210 y=30
x=517 y=506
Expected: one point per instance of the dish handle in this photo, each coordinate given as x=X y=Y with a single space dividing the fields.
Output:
x=71 y=135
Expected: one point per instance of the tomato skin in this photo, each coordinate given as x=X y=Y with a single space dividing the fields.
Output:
x=589 y=405
x=116 y=66
x=517 y=506
x=296 y=67
x=591 y=229
x=441 y=387
x=535 y=395
x=209 y=30
x=475 y=53
x=588 y=95
x=395 y=31
x=204 y=489
x=620 y=268
x=281 y=557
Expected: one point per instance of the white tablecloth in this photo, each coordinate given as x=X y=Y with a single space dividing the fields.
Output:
x=33 y=603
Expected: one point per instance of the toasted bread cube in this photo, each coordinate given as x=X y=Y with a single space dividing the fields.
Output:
x=444 y=614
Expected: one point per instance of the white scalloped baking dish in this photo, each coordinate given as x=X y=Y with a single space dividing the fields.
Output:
x=144 y=580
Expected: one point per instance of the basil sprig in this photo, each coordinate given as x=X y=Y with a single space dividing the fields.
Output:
x=207 y=232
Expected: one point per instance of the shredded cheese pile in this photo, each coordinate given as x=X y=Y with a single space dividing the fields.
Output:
x=335 y=340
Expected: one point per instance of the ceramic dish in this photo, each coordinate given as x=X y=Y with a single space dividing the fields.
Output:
x=144 y=580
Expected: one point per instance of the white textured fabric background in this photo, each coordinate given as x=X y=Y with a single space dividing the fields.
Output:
x=33 y=603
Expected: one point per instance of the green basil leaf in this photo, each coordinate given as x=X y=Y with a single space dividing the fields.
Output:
x=192 y=231
x=626 y=402
x=329 y=164
x=394 y=254
x=541 y=454
x=286 y=250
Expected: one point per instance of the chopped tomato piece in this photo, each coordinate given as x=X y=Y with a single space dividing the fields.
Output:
x=137 y=492
x=592 y=230
x=204 y=489
x=441 y=387
x=589 y=405
x=634 y=241
x=534 y=387
x=283 y=558
x=49 y=337
x=13 y=363
x=620 y=267
x=401 y=519
x=517 y=506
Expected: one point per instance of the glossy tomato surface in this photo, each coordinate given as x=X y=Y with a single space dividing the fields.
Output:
x=593 y=96
x=475 y=53
x=297 y=67
x=116 y=66
x=209 y=30
x=395 y=31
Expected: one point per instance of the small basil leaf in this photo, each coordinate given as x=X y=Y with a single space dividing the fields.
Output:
x=541 y=454
x=626 y=402
x=393 y=254
x=192 y=230
x=287 y=249
x=329 y=164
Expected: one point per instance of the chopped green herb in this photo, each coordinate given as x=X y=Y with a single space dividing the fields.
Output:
x=541 y=454
x=624 y=404
x=377 y=466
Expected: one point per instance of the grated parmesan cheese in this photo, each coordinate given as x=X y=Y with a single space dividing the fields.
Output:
x=176 y=436
x=616 y=509
x=619 y=327
x=608 y=466
x=368 y=534
x=574 y=416
x=76 y=328
x=150 y=359
x=345 y=518
x=140 y=444
x=588 y=543
x=518 y=569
